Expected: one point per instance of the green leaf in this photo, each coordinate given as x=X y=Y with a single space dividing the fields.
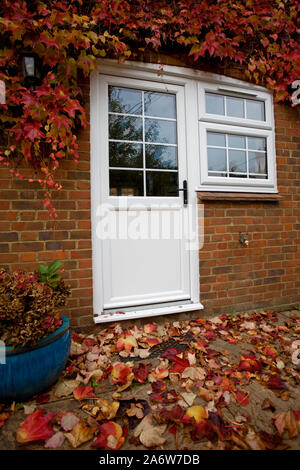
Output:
x=55 y=266
x=43 y=269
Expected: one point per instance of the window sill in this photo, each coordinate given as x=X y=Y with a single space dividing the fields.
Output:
x=221 y=196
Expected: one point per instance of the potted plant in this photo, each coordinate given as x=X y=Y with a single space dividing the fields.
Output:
x=35 y=337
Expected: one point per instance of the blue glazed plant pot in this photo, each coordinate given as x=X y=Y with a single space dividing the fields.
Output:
x=29 y=371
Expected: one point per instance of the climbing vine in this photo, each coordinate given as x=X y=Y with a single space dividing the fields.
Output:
x=39 y=125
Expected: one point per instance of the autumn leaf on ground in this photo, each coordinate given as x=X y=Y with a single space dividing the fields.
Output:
x=55 y=441
x=276 y=383
x=65 y=388
x=122 y=374
x=242 y=397
x=68 y=421
x=3 y=418
x=110 y=436
x=126 y=342
x=270 y=351
x=36 y=427
x=136 y=409
x=150 y=435
x=141 y=372
x=80 y=433
x=161 y=371
x=81 y=393
x=106 y=410
x=286 y=421
x=193 y=373
x=195 y=414
x=250 y=363
x=150 y=328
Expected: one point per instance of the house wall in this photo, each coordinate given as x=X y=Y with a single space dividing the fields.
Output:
x=232 y=278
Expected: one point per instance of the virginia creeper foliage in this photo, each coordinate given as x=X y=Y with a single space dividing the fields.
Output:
x=69 y=35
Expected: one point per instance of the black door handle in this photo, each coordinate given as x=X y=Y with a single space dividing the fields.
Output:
x=185 y=192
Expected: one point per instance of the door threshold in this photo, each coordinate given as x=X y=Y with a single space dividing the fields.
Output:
x=152 y=312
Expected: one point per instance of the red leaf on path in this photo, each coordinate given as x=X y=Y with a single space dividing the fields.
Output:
x=276 y=383
x=173 y=429
x=249 y=363
x=242 y=397
x=175 y=414
x=210 y=335
x=152 y=341
x=3 y=418
x=270 y=352
x=170 y=353
x=36 y=427
x=158 y=386
x=43 y=398
x=141 y=372
x=204 y=428
x=80 y=393
x=110 y=436
x=180 y=364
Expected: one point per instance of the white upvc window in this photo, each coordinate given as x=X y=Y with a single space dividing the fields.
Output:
x=236 y=139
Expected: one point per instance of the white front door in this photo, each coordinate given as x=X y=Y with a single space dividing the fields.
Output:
x=142 y=223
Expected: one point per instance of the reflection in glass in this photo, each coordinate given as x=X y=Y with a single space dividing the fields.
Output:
x=217 y=159
x=161 y=183
x=216 y=139
x=237 y=161
x=126 y=183
x=160 y=131
x=257 y=162
x=214 y=103
x=125 y=155
x=235 y=107
x=160 y=104
x=255 y=110
x=124 y=100
x=237 y=141
x=257 y=143
x=161 y=156
x=125 y=128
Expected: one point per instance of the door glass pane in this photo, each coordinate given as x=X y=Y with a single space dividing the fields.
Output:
x=160 y=105
x=235 y=107
x=125 y=128
x=214 y=104
x=160 y=131
x=126 y=183
x=217 y=159
x=125 y=155
x=257 y=162
x=124 y=100
x=237 y=161
x=255 y=110
x=161 y=156
x=161 y=183
x=142 y=136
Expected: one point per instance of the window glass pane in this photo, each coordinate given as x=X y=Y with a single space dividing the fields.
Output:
x=162 y=183
x=235 y=107
x=257 y=162
x=255 y=110
x=237 y=141
x=237 y=175
x=237 y=161
x=217 y=159
x=160 y=131
x=160 y=105
x=214 y=103
x=218 y=175
x=124 y=100
x=126 y=183
x=125 y=128
x=216 y=139
x=257 y=143
x=161 y=156
x=125 y=155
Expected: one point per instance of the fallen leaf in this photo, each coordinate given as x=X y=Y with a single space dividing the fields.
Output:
x=81 y=393
x=195 y=414
x=150 y=435
x=286 y=421
x=68 y=421
x=65 y=388
x=110 y=436
x=80 y=433
x=36 y=427
x=55 y=441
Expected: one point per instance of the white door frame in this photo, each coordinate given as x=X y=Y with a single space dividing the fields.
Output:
x=191 y=144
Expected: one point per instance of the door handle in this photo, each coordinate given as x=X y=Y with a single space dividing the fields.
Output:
x=184 y=189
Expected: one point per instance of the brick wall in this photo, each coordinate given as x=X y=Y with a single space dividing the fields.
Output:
x=232 y=278
x=267 y=272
